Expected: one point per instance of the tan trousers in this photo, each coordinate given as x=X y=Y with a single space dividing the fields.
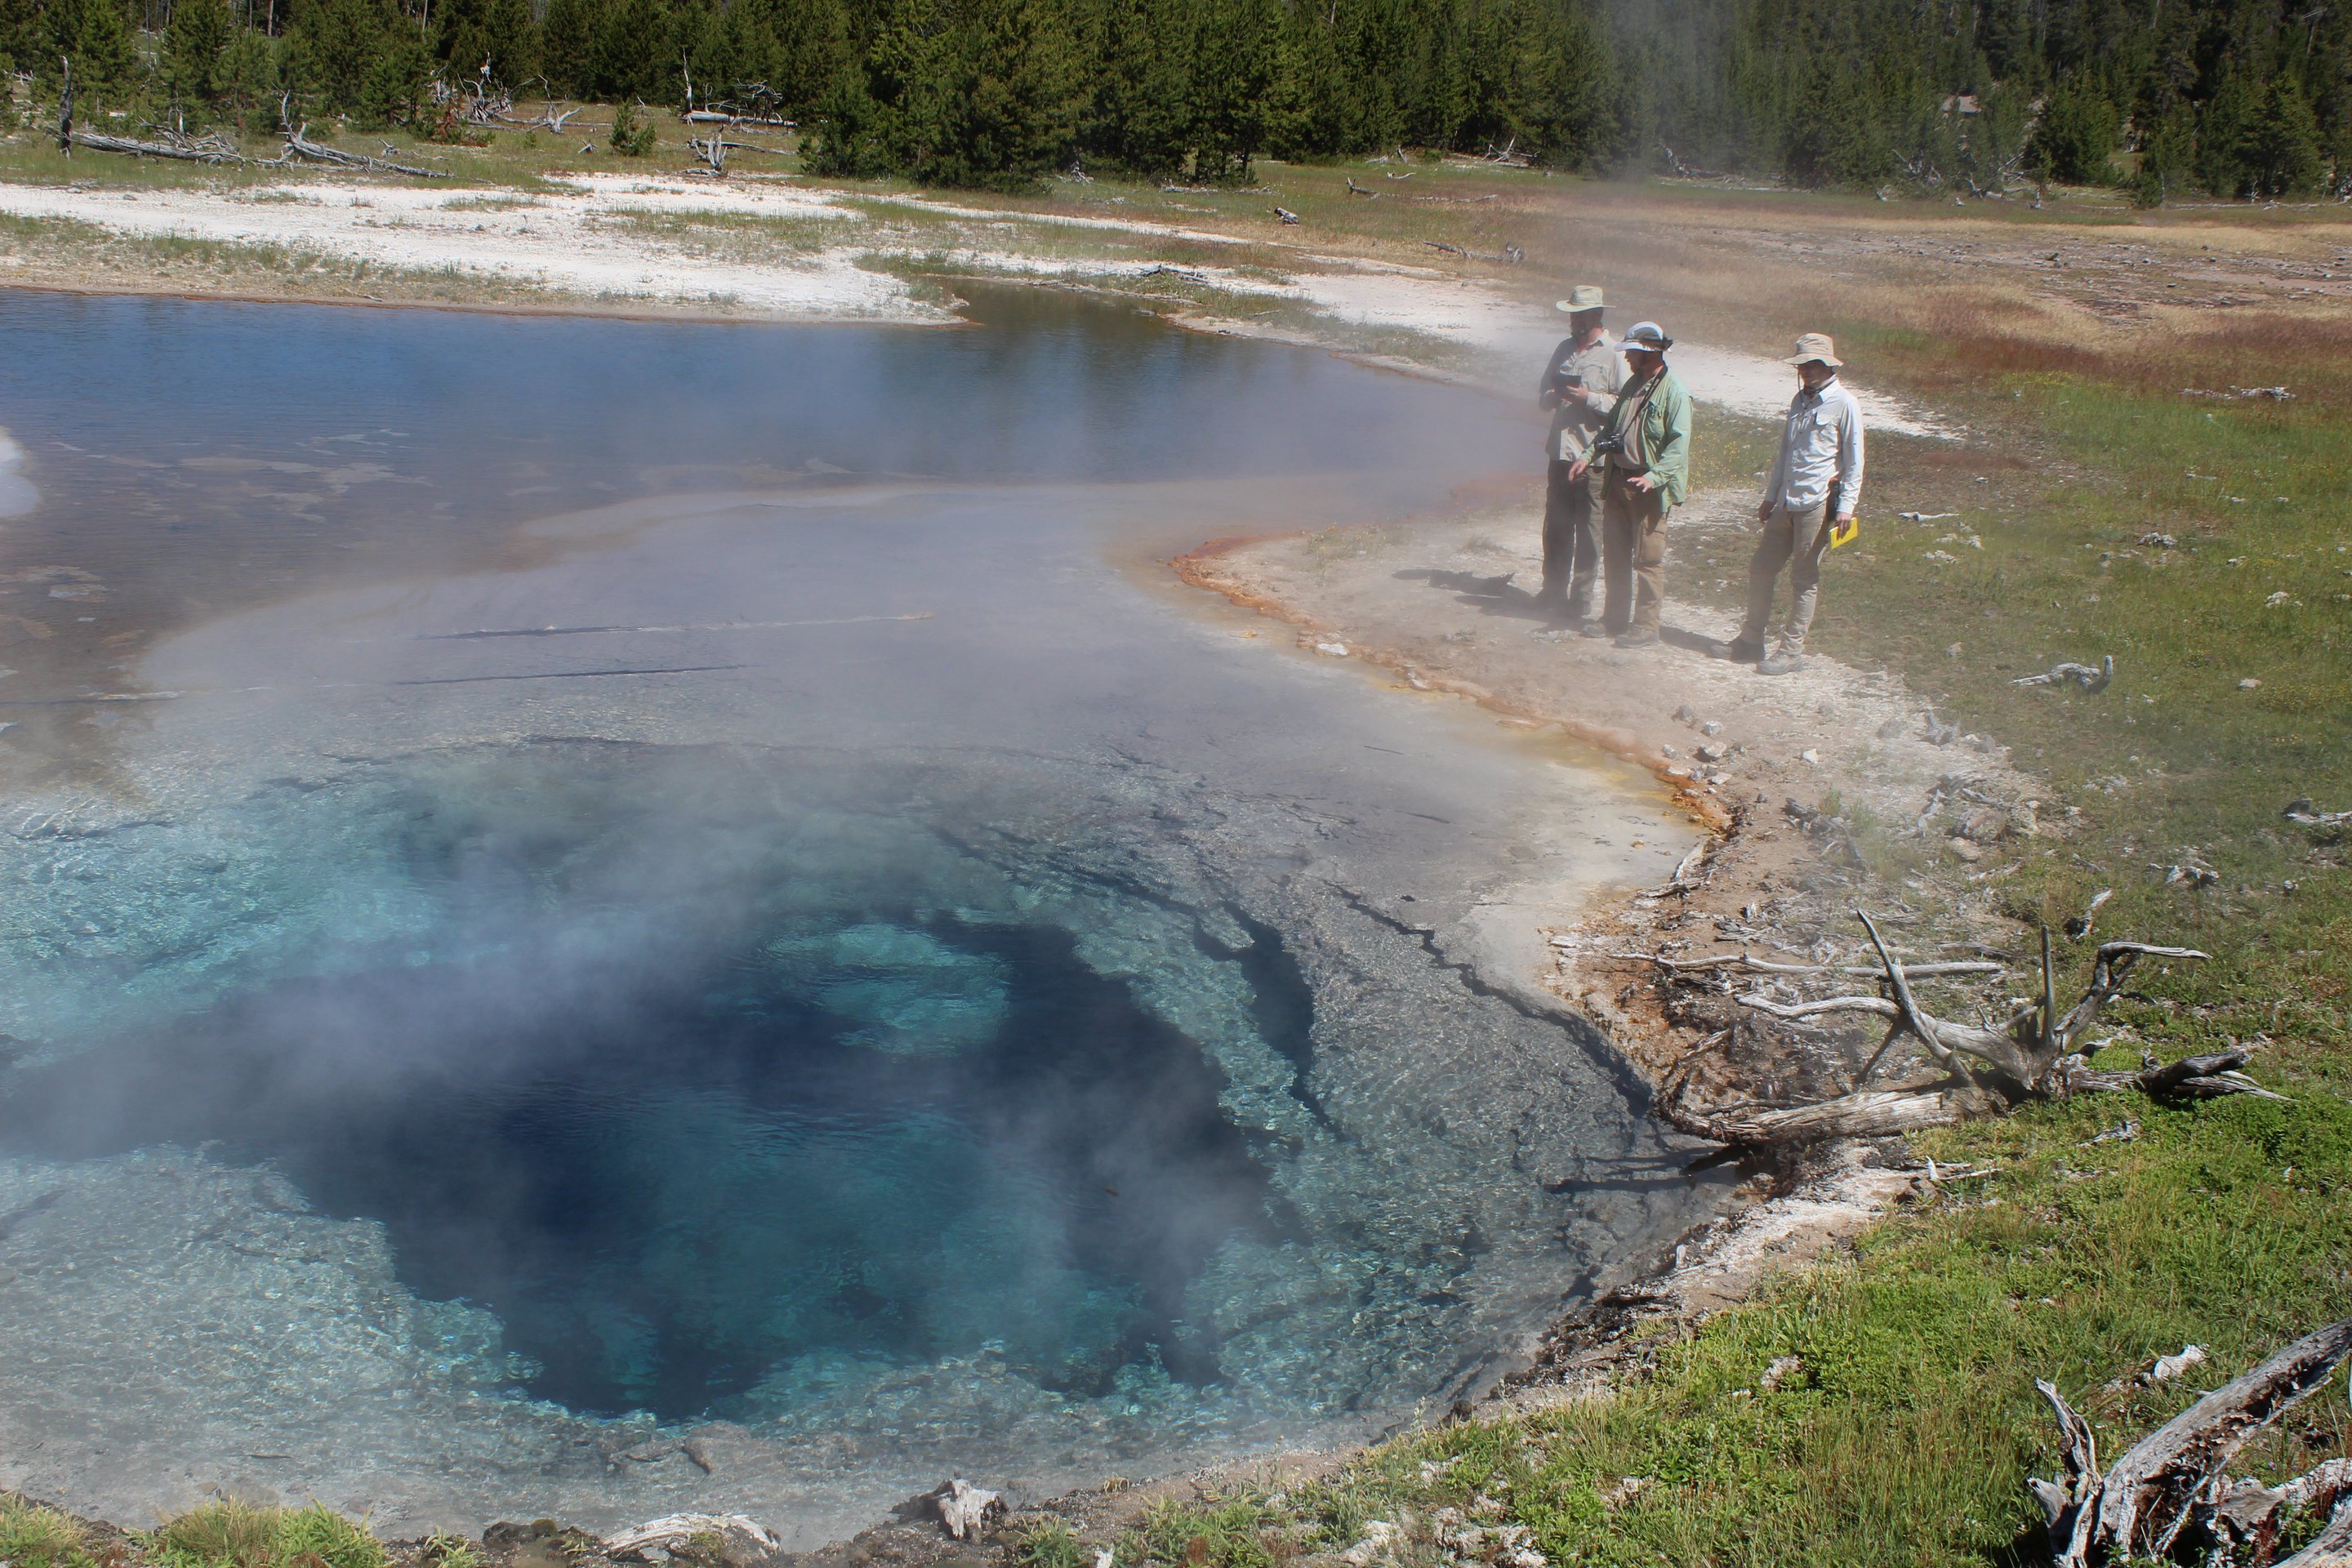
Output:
x=1794 y=539
x=1570 y=553
x=1632 y=558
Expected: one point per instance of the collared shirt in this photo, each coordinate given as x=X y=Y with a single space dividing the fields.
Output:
x=1576 y=420
x=1661 y=447
x=1821 y=445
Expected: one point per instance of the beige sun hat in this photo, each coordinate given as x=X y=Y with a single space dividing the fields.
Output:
x=1583 y=297
x=1814 y=346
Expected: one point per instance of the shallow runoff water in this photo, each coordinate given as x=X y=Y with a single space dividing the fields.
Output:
x=610 y=916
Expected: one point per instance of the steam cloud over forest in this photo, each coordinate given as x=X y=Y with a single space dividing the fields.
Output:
x=2168 y=96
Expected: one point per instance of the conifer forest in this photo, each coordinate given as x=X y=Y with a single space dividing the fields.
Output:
x=2228 y=98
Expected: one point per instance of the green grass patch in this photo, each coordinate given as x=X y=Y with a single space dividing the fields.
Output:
x=32 y=1536
x=227 y=1533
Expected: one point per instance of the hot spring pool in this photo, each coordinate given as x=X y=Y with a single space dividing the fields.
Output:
x=606 y=918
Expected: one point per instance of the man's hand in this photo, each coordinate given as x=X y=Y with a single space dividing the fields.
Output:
x=1842 y=519
x=1763 y=512
x=1579 y=469
x=1645 y=483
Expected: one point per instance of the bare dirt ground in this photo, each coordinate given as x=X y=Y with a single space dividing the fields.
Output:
x=1776 y=766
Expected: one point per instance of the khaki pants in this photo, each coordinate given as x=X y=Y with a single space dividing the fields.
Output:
x=1634 y=557
x=1571 y=548
x=1794 y=539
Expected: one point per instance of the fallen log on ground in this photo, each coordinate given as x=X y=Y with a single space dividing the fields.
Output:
x=299 y=144
x=1984 y=1071
x=199 y=150
x=2167 y=1490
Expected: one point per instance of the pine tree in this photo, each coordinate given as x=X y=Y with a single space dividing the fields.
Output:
x=196 y=53
x=2283 y=156
x=1140 y=119
x=812 y=51
x=394 y=92
x=96 y=36
x=1231 y=48
x=2075 y=141
x=252 y=77
x=1017 y=110
x=2224 y=130
x=633 y=58
x=569 y=37
x=499 y=33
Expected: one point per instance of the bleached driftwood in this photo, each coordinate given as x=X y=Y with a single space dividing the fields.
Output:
x=299 y=144
x=1984 y=1071
x=192 y=150
x=965 y=1507
x=2065 y=671
x=727 y=1537
x=2170 y=1482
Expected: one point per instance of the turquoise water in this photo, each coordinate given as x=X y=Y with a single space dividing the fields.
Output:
x=577 y=886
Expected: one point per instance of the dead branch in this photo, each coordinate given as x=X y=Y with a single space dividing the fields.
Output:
x=1868 y=1113
x=1285 y=215
x=2065 y=671
x=2168 y=1481
x=2303 y=813
x=1356 y=190
x=1986 y=1070
x=299 y=142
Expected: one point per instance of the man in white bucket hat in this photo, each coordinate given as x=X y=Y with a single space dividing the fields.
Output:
x=1809 y=498
x=1580 y=387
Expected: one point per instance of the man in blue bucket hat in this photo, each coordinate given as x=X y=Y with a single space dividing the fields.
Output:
x=1644 y=455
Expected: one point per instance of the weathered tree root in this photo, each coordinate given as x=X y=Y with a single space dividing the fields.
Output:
x=1985 y=1071
x=2167 y=1492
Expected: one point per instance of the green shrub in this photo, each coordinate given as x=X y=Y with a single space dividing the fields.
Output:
x=632 y=137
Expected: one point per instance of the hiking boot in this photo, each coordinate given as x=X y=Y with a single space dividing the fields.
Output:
x=1781 y=663
x=1592 y=629
x=1642 y=639
x=1740 y=650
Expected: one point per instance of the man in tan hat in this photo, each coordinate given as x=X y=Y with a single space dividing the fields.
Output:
x=1580 y=387
x=1814 y=490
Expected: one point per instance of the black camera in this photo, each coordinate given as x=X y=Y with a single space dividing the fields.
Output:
x=1609 y=444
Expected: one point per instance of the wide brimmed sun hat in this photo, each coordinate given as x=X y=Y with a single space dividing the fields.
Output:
x=1646 y=336
x=1814 y=346
x=1583 y=297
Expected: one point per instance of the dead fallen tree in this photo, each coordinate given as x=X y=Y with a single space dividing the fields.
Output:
x=1978 y=1071
x=213 y=149
x=298 y=144
x=2167 y=1494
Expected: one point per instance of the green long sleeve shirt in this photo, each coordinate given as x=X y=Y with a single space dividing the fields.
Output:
x=1662 y=444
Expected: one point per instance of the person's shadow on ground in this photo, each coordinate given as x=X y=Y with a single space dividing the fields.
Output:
x=1491 y=595
x=1503 y=596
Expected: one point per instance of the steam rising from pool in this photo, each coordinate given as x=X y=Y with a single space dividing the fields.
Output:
x=759 y=994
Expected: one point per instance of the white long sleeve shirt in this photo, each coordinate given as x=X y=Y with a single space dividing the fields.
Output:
x=1820 y=446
